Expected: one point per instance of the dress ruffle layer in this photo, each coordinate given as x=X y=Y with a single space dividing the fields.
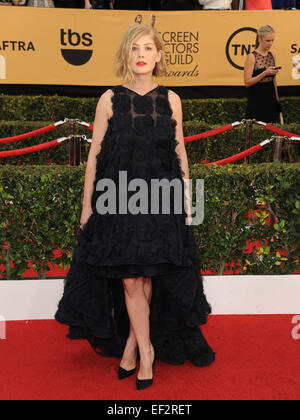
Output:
x=94 y=306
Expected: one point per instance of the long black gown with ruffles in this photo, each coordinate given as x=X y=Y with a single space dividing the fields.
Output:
x=141 y=141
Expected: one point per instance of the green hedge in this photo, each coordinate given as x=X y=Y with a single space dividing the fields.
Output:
x=232 y=142
x=211 y=149
x=55 y=108
x=226 y=111
x=41 y=208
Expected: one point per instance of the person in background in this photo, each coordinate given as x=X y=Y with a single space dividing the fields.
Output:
x=179 y=4
x=99 y=4
x=69 y=4
x=155 y=4
x=216 y=4
x=258 y=4
x=283 y=4
x=238 y=5
x=40 y=3
x=138 y=4
x=10 y=3
x=259 y=74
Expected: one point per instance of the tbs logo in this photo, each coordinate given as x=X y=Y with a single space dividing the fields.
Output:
x=76 y=56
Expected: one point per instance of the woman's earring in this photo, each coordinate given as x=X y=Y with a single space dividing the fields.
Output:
x=139 y=19
x=153 y=19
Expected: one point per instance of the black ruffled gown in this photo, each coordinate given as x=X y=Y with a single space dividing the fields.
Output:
x=140 y=140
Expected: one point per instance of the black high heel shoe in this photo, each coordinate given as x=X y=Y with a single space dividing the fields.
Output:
x=123 y=373
x=146 y=383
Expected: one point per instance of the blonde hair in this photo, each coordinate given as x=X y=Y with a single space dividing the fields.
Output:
x=263 y=31
x=122 y=66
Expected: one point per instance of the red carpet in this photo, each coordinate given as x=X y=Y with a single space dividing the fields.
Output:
x=257 y=358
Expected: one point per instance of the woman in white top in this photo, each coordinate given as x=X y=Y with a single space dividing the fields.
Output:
x=216 y=4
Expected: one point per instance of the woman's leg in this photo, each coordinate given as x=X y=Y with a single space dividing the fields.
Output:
x=128 y=361
x=138 y=292
x=148 y=293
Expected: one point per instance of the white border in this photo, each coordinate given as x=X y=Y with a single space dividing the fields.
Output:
x=228 y=295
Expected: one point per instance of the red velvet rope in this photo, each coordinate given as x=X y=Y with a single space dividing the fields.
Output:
x=88 y=126
x=53 y=143
x=195 y=137
x=209 y=133
x=30 y=134
x=27 y=150
x=239 y=156
x=279 y=131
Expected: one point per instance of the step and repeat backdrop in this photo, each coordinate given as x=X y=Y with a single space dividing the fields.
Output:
x=77 y=47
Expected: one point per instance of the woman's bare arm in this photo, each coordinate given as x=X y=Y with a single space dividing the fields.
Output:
x=275 y=81
x=103 y=113
x=276 y=90
x=176 y=106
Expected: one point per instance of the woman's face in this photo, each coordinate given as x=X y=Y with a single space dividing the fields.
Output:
x=267 y=41
x=144 y=55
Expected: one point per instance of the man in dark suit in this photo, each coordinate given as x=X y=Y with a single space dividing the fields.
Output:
x=238 y=5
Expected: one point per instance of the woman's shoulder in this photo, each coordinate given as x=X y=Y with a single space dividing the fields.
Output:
x=106 y=98
x=107 y=95
x=175 y=102
x=105 y=102
x=272 y=54
x=253 y=55
x=174 y=98
x=251 y=58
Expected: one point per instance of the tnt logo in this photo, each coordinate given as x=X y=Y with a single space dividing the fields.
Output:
x=240 y=44
x=2 y=68
x=74 y=54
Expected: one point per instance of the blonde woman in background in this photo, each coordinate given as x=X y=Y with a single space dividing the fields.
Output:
x=260 y=79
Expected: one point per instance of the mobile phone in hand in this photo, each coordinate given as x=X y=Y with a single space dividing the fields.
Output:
x=277 y=68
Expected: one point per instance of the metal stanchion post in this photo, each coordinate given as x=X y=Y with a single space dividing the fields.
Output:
x=278 y=148
x=248 y=139
x=72 y=149
x=74 y=146
x=78 y=150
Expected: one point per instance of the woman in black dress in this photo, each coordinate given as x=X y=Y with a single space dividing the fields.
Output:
x=136 y=277
x=260 y=79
